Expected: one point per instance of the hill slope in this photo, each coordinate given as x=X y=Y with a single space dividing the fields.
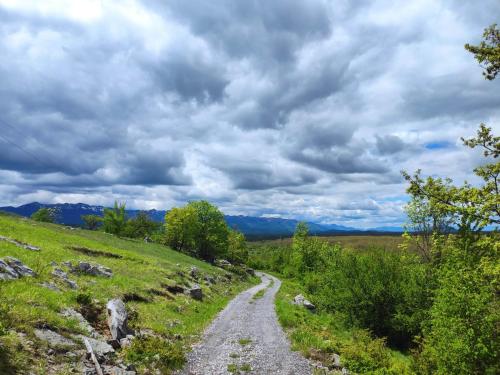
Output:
x=149 y=278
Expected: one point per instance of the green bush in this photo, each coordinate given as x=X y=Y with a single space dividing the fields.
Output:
x=462 y=334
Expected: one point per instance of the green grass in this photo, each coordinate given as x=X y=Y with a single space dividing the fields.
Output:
x=259 y=294
x=319 y=335
x=139 y=270
x=244 y=342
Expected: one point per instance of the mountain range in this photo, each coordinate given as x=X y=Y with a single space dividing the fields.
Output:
x=251 y=226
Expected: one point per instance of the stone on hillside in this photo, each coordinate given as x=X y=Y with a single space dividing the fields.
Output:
x=19 y=267
x=126 y=341
x=117 y=319
x=93 y=269
x=12 y=268
x=194 y=272
x=82 y=322
x=50 y=286
x=101 y=348
x=53 y=338
x=20 y=244
x=302 y=301
x=195 y=292
x=7 y=272
x=222 y=263
x=60 y=274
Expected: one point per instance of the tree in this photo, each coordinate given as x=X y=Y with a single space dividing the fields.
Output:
x=115 y=219
x=91 y=222
x=488 y=52
x=212 y=231
x=198 y=228
x=141 y=226
x=46 y=215
x=181 y=226
x=237 y=247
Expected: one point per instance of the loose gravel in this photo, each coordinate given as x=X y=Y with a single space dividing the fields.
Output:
x=246 y=338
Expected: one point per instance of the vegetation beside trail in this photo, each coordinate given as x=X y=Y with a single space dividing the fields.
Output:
x=141 y=273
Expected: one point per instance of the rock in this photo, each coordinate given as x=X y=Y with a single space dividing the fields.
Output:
x=336 y=361
x=20 y=244
x=53 y=264
x=148 y=239
x=195 y=292
x=93 y=269
x=115 y=370
x=101 y=348
x=127 y=341
x=82 y=322
x=50 y=286
x=60 y=274
x=53 y=338
x=302 y=301
x=67 y=264
x=194 y=272
x=7 y=272
x=117 y=319
x=12 y=268
x=222 y=263
x=345 y=371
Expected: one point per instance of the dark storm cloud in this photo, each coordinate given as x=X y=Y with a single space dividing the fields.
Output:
x=302 y=108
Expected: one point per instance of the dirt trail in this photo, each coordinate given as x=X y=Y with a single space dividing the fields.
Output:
x=246 y=334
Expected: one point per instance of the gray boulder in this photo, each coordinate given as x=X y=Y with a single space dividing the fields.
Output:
x=101 y=348
x=54 y=339
x=117 y=319
x=302 y=301
x=7 y=272
x=82 y=322
x=222 y=263
x=93 y=269
x=60 y=274
x=195 y=292
x=12 y=268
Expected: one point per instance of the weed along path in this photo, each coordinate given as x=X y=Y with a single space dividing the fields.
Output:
x=246 y=338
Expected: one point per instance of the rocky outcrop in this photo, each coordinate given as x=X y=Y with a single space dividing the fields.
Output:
x=222 y=263
x=195 y=292
x=117 y=319
x=60 y=274
x=12 y=268
x=82 y=322
x=54 y=339
x=20 y=244
x=93 y=269
x=302 y=301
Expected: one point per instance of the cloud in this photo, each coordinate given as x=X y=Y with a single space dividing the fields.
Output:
x=290 y=108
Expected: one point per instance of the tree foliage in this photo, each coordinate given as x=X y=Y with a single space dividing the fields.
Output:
x=141 y=226
x=115 y=219
x=91 y=222
x=46 y=215
x=487 y=53
x=198 y=228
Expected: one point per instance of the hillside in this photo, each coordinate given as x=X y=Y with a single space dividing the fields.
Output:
x=43 y=313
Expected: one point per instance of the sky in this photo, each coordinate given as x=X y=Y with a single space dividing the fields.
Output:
x=295 y=109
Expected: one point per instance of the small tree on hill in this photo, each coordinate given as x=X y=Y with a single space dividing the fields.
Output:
x=46 y=215
x=91 y=222
x=115 y=219
x=237 y=247
x=141 y=226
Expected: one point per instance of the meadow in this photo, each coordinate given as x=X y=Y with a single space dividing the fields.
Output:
x=142 y=273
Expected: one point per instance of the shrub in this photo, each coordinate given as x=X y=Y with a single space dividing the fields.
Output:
x=46 y=215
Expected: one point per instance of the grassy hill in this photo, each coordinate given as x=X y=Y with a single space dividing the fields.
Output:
x=143 y=277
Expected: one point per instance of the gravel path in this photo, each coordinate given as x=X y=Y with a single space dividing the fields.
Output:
x=246 y=334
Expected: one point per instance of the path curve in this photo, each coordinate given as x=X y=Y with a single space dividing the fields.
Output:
x=253 y=320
